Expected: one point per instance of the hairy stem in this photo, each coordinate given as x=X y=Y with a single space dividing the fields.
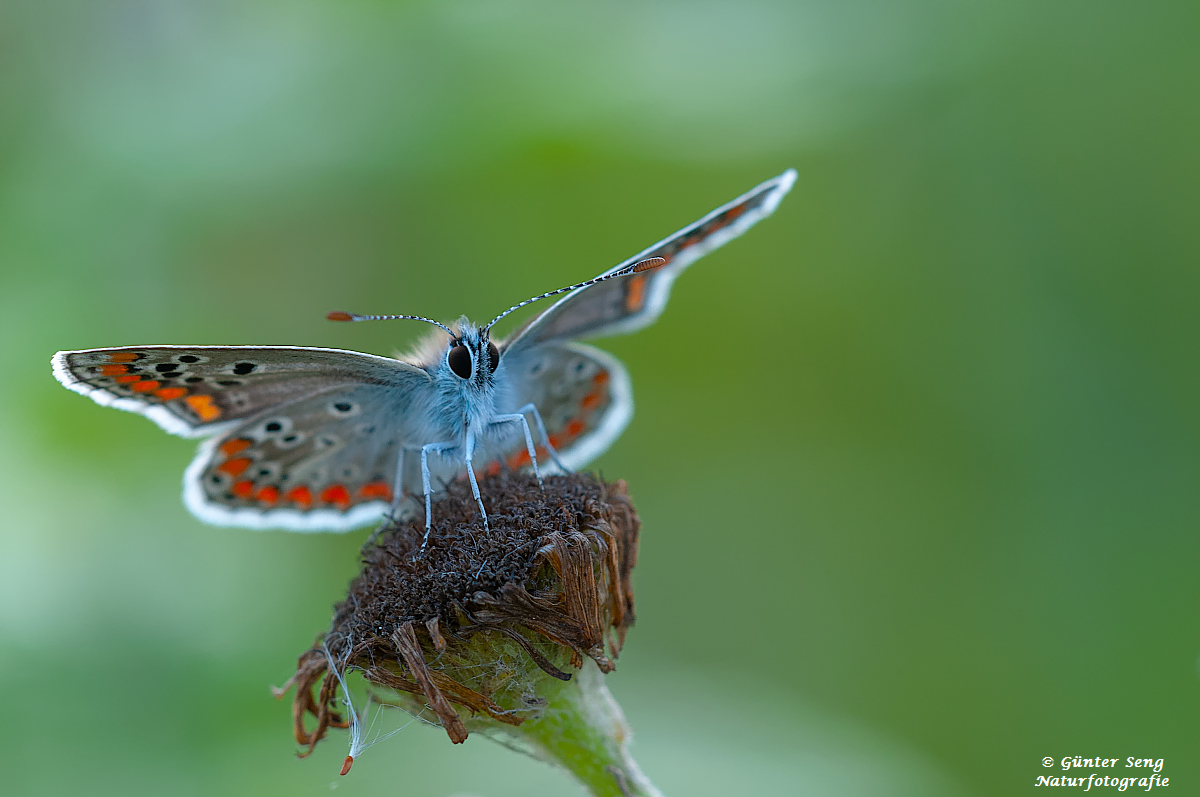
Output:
x=584 y=731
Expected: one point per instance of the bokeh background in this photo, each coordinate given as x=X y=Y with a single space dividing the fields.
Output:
x=916 y=457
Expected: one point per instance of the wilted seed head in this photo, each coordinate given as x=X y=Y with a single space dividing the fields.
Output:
x=486 y=625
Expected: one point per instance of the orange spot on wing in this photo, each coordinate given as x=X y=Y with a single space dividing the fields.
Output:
x=243 y=489
x=336 y=494
x=556 y=440
x=600 y=378
x=145 y=386
x=234 y=467
x=492 y=469
x=204 y=407
x=168 y=393
x=519 y=459
x=231 y=447
x=574 y=427
x=123 y=356
x=268 y=494
x=113 y=370
x=127 y=378
x=592 y=400
x=373 y=490
x=635 y=294
x=300 y=495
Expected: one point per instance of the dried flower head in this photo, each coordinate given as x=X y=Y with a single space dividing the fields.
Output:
x=502 y=631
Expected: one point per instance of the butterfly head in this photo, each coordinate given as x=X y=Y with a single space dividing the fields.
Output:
x=471 y=356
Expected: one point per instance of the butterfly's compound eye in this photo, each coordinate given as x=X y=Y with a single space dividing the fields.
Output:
x=459 y=360
x=493 y=357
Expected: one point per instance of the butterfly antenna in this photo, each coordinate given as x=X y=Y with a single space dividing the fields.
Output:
x=638 y=267
x=338 y=315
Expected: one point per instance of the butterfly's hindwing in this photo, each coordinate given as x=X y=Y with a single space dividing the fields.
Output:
x=303 y=438
x=584 y=398
x=327 y=462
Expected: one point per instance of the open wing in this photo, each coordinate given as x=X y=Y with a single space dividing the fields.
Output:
x=628 y=303
x=303 y=439
x=325 y=462
x=196 y=391
x=582 y=394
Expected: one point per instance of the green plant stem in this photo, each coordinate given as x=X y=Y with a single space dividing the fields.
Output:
x=584 y=731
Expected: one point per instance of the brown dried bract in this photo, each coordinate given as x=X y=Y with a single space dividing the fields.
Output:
x=552 y=575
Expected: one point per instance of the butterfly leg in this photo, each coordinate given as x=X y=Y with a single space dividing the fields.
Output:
x=518 y=417
x=383 y=524
x=398 y=490
x=471 y=475
x=425 y=449
x=537 y=418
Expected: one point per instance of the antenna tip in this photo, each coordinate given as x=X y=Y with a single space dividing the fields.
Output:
x=349 y=762
x=647 y=264
x=338 y=315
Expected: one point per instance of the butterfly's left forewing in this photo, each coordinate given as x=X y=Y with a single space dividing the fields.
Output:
x=303 y=438
x=629 y=302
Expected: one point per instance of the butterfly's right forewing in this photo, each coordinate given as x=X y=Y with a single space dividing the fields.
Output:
x=197 y=391
x=302 y=438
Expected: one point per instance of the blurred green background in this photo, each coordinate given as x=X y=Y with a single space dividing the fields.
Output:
x=916 y=457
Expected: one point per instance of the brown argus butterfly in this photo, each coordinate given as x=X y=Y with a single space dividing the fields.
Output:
x=313 y=439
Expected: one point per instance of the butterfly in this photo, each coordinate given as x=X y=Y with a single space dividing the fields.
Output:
x=313 y=439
